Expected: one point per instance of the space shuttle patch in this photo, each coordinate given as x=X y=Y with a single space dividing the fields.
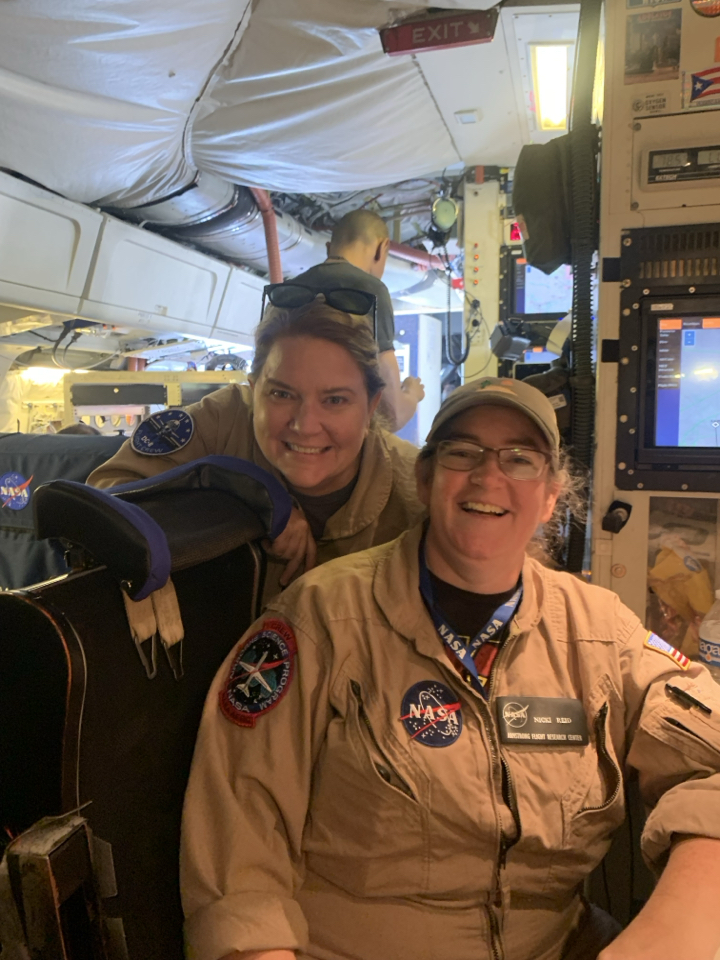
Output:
x=260 y=675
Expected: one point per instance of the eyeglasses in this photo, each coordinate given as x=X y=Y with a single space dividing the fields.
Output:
x=292 y=295
x=518 y=463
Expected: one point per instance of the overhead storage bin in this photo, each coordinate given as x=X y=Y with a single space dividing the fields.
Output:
x=142 y=279
x=46 y=247
x=240 y=309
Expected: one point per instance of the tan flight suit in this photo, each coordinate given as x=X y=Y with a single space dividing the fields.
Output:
x=382 y=505
x=328 y=830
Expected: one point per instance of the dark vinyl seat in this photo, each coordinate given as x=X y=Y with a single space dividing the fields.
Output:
x=82 y=727
x=27 y=461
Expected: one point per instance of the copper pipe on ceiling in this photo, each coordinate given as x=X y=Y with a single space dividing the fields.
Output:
x=262 y=199
x=427 y=260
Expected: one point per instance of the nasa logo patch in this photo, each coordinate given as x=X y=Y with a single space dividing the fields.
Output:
x=260 y=675
x=163 y=433
x=14 y=491
x=431 y=714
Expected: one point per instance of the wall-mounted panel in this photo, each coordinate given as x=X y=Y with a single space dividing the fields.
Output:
x=676 y=161
x=46 y=247
x=144 y=279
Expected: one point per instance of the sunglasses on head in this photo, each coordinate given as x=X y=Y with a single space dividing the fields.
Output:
x=292 y=295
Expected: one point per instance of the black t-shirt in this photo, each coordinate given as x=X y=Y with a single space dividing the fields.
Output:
x=318 y=510
x=466 y=612
x=333 y=274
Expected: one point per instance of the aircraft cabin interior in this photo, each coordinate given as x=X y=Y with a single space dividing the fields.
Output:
x=543 y=180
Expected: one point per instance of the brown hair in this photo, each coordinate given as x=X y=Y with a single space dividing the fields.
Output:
x=318 y=320
x=81 y=429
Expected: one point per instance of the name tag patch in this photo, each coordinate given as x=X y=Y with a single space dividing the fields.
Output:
x=163 y=433
x=542 y=721
x=431 y=714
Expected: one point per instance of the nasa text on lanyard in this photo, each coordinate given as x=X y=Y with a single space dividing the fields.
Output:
x=462 y=651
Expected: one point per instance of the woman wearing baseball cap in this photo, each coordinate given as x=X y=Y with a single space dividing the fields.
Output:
x=449 y=724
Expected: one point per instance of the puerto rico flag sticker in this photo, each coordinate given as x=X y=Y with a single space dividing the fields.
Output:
x=654 y=642
x=260 y=675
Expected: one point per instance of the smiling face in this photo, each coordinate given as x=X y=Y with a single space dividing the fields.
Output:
x=483 y=520
x=311 y=413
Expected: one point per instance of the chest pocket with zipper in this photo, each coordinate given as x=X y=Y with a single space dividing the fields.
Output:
x=602 y=806
x=592 y=808
x=366 y=823
x=378 y=757
x=575 y=801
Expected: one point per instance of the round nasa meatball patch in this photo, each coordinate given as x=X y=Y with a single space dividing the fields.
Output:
x=260 y=675
x=431 y=714
x=14 y=491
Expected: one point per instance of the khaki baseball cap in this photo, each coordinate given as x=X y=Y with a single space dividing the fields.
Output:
x=501 y=392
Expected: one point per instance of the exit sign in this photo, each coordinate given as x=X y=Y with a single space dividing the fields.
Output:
x=440 y=31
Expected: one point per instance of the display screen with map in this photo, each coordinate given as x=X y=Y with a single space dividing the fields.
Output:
x=537 y=292
x=687 y=385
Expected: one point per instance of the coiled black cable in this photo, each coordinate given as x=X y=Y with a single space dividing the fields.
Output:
x=582 y=143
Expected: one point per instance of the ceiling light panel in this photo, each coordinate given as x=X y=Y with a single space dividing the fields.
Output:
x=541 y=49
x=551 y=83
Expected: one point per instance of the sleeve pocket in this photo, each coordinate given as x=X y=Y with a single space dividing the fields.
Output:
x=692 y=728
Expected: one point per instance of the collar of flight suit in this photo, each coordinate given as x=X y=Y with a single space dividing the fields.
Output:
x=396 y=588
x=370 y=494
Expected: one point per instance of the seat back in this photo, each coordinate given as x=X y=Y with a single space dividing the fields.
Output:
x=26 y=462
x=83 y=727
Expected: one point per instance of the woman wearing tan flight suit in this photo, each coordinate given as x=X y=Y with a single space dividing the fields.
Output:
x=418 y=753
x=307 y=416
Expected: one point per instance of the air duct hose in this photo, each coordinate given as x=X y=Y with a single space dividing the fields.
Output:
x=262 y=199
x=583 y=197
x=403 y=251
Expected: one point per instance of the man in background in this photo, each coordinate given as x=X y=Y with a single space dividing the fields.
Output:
x=357 y=254
x=80 y=430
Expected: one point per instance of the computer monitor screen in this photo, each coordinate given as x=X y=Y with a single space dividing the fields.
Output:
x=537 y=355
x=521 y=371
x=537 y=292
x=687 y=382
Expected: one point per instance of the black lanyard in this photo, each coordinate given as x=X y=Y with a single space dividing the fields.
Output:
x=465 y=652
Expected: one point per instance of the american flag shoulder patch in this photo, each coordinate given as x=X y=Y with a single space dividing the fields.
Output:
x=654 y=642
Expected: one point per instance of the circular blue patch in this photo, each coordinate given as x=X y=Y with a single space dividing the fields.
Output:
x=14 y=491
x=692 y=564
x=163 y=433
x=431 y=714
x=260 y=675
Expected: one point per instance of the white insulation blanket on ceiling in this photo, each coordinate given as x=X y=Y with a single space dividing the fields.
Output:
x=309 y=102
x=120 y=101
x=95 y=97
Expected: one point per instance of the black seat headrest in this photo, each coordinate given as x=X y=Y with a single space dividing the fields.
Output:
x=145 y=529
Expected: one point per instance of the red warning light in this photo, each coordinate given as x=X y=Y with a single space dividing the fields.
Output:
x=515 y=234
